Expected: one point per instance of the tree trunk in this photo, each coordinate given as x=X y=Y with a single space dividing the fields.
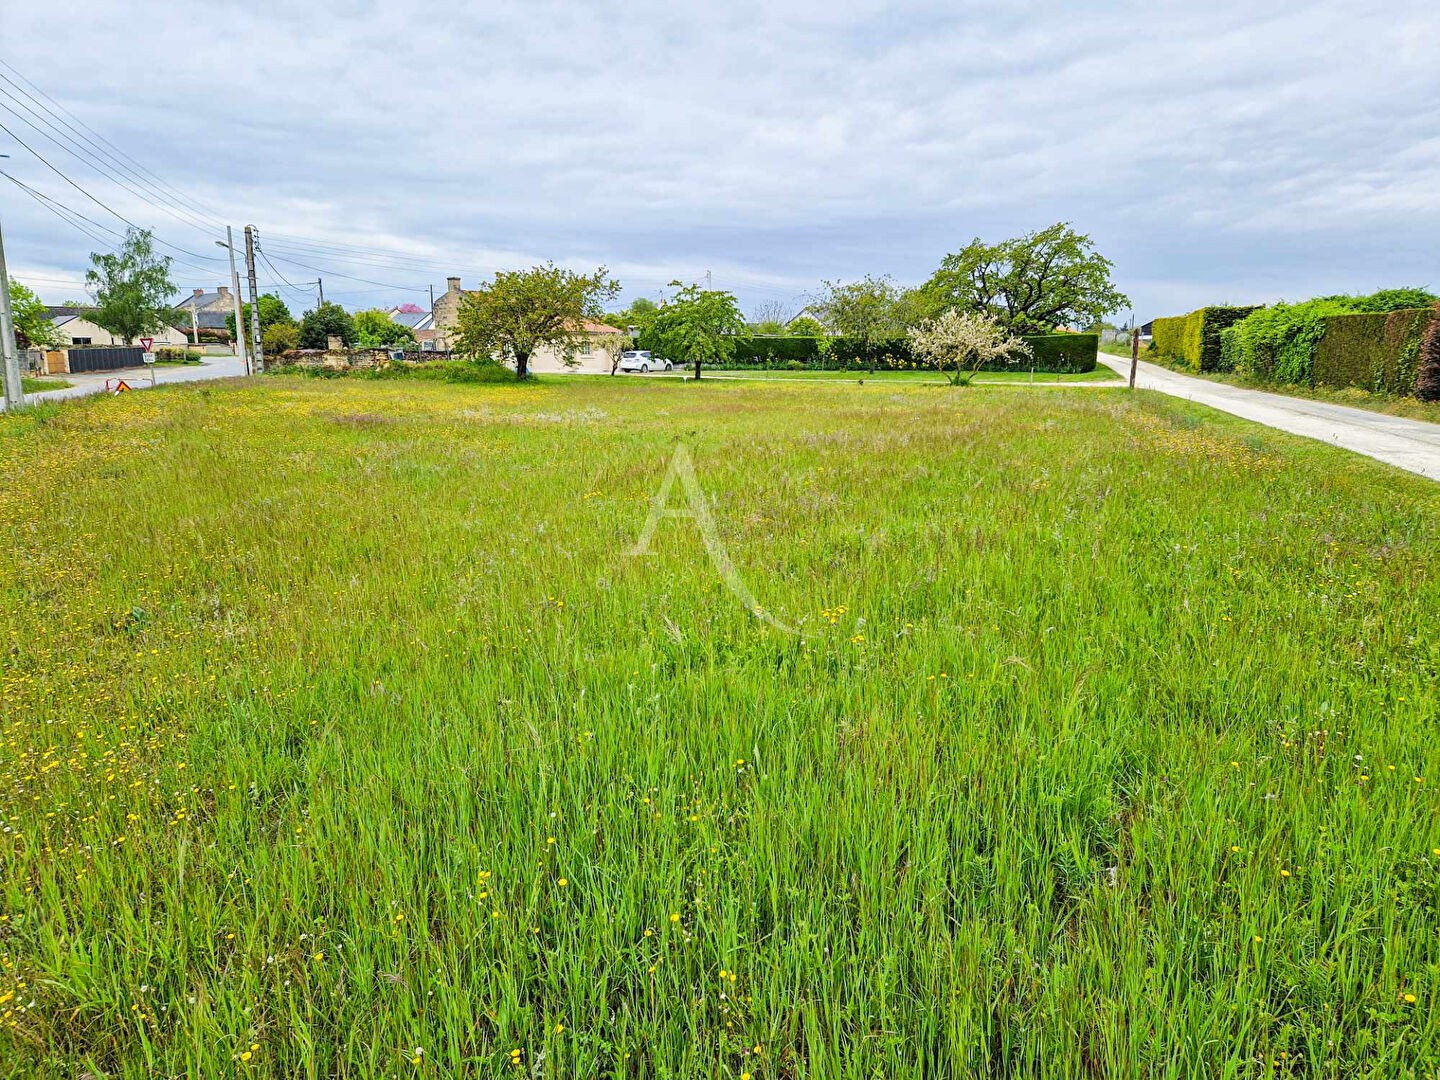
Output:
x=697 y=366
x=522 y=365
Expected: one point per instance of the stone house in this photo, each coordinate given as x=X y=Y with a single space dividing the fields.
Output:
x=446 y=322
x=73 y=328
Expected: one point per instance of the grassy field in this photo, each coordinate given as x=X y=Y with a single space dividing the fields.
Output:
x=343 y=738
x=40 y=385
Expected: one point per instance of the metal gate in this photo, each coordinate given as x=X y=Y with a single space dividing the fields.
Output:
x=105 y=359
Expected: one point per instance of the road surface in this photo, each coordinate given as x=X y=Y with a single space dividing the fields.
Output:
x=93 y=382
x=1413 y=445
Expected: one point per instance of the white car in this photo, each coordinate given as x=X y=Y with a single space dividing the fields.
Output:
x=641 y=360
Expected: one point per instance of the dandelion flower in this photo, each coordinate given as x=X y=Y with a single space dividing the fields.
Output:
x=564 y=882
x=674 y=916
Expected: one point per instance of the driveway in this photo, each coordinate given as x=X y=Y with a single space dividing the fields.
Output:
x=1413 y=445
x=93 y=382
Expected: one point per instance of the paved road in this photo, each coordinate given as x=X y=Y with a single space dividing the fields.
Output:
x=1413 y=445
x=93 y=382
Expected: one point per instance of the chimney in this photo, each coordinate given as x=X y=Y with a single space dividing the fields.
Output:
x=199 y=292
x=224 y=291
x=452 y=284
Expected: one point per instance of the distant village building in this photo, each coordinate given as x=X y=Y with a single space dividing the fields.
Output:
x=208 y=308
x=446 y=326
x=74 y=329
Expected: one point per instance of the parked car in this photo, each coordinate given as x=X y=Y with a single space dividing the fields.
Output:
x=642 y=360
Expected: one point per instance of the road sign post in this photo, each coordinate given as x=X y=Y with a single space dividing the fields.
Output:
x=148 y=344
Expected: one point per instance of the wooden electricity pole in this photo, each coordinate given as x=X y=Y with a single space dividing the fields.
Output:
x=1134 y=354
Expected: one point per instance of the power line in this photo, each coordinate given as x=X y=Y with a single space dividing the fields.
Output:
x=159 y=183
x=115 y=213
x=100 y=165
x=61 y=211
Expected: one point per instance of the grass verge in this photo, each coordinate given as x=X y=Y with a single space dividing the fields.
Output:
x=342 y=737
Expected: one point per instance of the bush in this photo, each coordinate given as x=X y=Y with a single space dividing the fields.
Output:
x=184 y=356
x=279 y=338
x=1197 y=339
x=768 y=350
x=1387 y=300
x=1277 y=344
x=1060 y=354
x=1376 y=352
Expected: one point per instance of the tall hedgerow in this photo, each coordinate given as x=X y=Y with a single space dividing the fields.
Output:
x=1427 y=376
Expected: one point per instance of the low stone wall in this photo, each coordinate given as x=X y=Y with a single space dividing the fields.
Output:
x=355 y=359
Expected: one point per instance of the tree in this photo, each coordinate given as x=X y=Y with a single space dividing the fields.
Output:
x=131 y=288
x=866 y=311
x=33 y=328
x=611 y=347
x=327 y=320
x=965 y=341
x=770 y=317
x=1031 y=284
x=375 y=329
x=522 y=311
x=279 y=338
x=699 y=325
x=804 y=326
x=273 y=312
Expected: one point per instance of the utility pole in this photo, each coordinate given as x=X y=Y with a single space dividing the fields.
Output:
x=14 y=388
x=432 y=301
x=229 y=244
x=257 y=348
x=320 y=284
x=709 y=281
x=1134 y=353
x=194 y=325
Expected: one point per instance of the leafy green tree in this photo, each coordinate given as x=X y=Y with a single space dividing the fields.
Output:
x=33 y=328
x=866 y=311
x=131 y=287
x=375 y=329
x=323 y=322
x=699 y=325
x=521 y=311
x=1031 y=284
x=805 y=326
x=273 y=312
x=279 y=338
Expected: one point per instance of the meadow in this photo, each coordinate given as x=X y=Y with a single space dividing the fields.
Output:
x=342 y=737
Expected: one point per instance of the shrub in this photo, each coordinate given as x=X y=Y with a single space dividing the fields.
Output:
x=279 y=338
x=1376 y=352
x=1277 y=344
x=1061 y=354
x=1387 y=300
x=1197 y=339
x=768 y=350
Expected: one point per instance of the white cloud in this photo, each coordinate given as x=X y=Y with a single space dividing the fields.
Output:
x=1221 y=147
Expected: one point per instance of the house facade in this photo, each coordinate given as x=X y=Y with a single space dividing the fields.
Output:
x=446 y=328
x=74 y=329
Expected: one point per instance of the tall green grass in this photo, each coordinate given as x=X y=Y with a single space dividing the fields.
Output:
x=342 y=737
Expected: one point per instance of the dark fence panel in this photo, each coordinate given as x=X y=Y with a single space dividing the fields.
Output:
x=106 y=359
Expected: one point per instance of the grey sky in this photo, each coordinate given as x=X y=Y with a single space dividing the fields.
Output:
x=1222 y=151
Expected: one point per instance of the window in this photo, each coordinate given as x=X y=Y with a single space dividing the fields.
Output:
x=586 y=350
x=79 y=341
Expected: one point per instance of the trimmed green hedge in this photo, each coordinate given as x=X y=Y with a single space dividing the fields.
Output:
x=1061 y=354
x=771 y=351
x=1195 y=339
x=1376 y=352
x=1050 y=353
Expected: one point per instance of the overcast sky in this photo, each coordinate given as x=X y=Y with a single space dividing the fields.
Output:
x=1217 y=151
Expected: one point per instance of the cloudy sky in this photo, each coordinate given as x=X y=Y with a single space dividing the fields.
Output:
x=1217 y=151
